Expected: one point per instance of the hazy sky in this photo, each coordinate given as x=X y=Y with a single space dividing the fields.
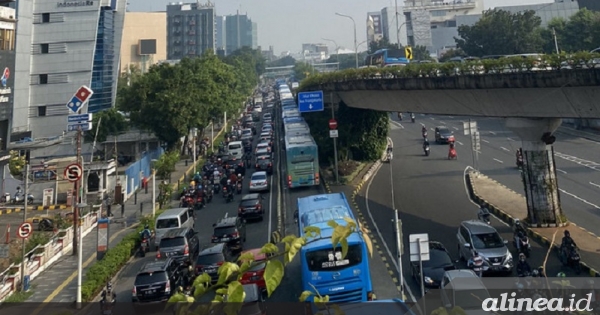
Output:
x=286 y=24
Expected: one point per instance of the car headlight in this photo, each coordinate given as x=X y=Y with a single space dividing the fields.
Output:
x=427 y=280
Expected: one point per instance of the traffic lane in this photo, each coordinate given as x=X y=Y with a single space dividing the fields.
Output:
x=14 y=219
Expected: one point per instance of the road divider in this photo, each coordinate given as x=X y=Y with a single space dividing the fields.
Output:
x=11 y=209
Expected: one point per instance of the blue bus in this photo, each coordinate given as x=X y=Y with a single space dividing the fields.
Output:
x=296 y=129
x=343 y=279
x=290 y=113
x=302 y=161
x=293 y=120
x=386 y=58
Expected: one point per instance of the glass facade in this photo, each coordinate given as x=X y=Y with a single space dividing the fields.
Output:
x=102 y=74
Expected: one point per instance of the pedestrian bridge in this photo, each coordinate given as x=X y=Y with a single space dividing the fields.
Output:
x=566 y=93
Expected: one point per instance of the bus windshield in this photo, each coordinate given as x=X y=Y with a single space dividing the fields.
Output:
x=396 y=53
x=329 y=260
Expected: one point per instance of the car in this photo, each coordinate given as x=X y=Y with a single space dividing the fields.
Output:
x=181 y=244
x=267 y=116
x=251 y=207
x=475 y=235
x=434 y=268
x=233 y=162
x=267 y=127
x=246 y=133
x=231 y=231
x=266 y=137
x=263 y=145
x=255 y=275
x=264 y=163
x=270 y=105
x=211 y=258
x=463 y=288
x=260 y=153
x=442 y=134
x=156 y=281
x=259 y=181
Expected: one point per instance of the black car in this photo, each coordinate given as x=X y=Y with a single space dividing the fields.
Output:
x=264 y=163
x=156 y=281
x=181 y=244
x=433 y=269
x=442 y=134
x=251 y=207
x=231 y=231
x=211 y=258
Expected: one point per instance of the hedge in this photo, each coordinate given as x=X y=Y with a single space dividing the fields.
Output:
x=563 y=62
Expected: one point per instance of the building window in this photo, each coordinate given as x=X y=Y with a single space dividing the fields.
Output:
x=41 y=111
x=44 y=48
x=438 y=13
x=43 y=79
x=45 y=17
x=7 y=39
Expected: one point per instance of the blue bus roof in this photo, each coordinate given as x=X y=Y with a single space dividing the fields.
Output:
x=293 y=119
x=317 y=210
x=295 y=125
x=291 y=113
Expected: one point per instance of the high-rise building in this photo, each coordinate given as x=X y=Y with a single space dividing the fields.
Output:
x=190 y=29
x=240 y=32
x=7 y=79
x=144 y=40
x=61 y=46
x=374 y=27
x=393 y=25
x=220 y=32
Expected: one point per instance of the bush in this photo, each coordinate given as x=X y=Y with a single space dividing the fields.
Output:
x=36 y=238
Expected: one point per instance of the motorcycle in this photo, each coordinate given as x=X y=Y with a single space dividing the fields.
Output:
x=6 y=198
x=573 y=258
x=229 y=197
x=239 y=187
x=520 y=161
x=424 y=134
x=144 y=247
x=225 y=192
x=20 y=198
x=452 y=154
x=389 y=156
x=412 y=118
x=426 y=149
x=198 y=203
x=216 y=188
x=484 y=216
x=524 y=246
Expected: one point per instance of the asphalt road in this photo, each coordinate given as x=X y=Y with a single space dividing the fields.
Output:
x=431 y=196
x=577 y=165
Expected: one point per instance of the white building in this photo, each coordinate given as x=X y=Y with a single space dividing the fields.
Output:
x=62 y=45
x=394 y=25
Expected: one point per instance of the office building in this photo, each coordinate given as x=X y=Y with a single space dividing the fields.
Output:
x=374 y=27
x=314 y=52
x=393 y=26
x=7 y=78
x=144 y=40
x=240 y=32
x=269 y=55
x=61 y=46
x=190 y=29
x=220 y=32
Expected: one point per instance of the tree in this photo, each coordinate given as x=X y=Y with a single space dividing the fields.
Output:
x=451 y=53
x=555 y=26
x=421 y=53
x=581 y=32
x=283 y=62
x=383 y=43
x=303 y=70
x=500 y=32
x=108 y=122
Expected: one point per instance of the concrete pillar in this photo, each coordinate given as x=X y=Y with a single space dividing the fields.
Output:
x=539 y=171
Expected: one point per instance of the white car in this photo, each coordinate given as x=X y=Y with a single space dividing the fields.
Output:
x=263 y=146
x=259 y=182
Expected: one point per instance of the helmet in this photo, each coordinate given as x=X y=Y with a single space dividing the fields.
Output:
x=146 y=227
x=567 y=233
x=239 y=175
x=179 y=289
x=229 y=181
x=522 y=257
x=517 y=222
x=535 y=273
x=561 y=275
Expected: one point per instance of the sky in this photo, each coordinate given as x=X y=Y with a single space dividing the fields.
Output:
x=286 y=24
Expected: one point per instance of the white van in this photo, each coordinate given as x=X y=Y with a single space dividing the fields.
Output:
x=235 y=148
x=463 y=288
x=172 y=219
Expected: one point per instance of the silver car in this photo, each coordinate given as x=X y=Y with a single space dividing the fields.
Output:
x=259 y=182
x=475 y=235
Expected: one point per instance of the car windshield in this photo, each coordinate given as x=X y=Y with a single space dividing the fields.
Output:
x=262 y=152
x=171 y=242
x=259 y=177
x=224 y=231
x=444 y=131
x=328 y=260
x=437 y=259
x=235 y=146
x=264 y=161
x=262 y=145
x=246 y=132
x=146 y=278
x=487 y=240
x=259 y=265
x=248 y=203
x=207 y=260
x=167 y=223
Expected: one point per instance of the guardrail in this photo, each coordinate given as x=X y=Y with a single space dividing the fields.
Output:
x=43 y=256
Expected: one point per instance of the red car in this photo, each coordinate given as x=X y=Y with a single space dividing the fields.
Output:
x=256 y=273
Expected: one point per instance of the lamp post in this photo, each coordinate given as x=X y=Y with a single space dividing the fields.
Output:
x=154 y=188
x=337 y=56
x=79 y=255
x=355 y=45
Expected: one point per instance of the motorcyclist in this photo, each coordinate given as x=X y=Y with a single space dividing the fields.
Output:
x=399 y=115
x=108 y=296
x=425 y=144
x=523 y=267
x=412 y=117
x=146 y=233
x=567 y=243
x=476 y=264
x=240 y=170
x=390 y=153
x=233 y=178
x=519 y=156
x=519 y=231
x=197 y=177
x=229 y=186
x=484 y=214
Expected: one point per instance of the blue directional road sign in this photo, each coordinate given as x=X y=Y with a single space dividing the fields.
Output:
x=310 y=101
x=85 y=126
x=79 y=118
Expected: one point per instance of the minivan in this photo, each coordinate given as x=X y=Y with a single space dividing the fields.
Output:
x=180 y=244
x=235 y=148
x=463 y=288
x=172 y=219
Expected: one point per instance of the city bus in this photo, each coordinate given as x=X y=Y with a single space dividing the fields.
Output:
x=290 y=113
x=296 y=129
x=343 y=279
x=302 y=161
x=294 y=119
x=386 y=58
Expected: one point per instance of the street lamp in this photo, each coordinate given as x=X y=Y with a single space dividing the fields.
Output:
x=79 y=255
x=154 y=187
x=337 y=55
x=355 y=45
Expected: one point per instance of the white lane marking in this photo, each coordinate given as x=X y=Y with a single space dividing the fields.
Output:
x=559 y=170
x=432 y=129
x=455 y=128
x=442 y=122
x=484 y=140
x=511 y=139
x=505 y=149
x=594 y=184
x=451 y=117
x=270 y=208
x=385 y=245
x=493 y=133
x=459 y=142
x=469 y=195
x=431 y=118
x=578 y=198
x=498 y=161
x=397 y=124
x=585 y=163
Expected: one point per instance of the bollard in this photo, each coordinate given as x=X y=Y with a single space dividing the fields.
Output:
x=122 y=210
x=141 y=208
x=186 y=162
x=146 y=188
x=178 y=184
x=135 y=197
x=108 y=211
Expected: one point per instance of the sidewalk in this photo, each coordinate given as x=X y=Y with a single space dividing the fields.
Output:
x=509 y=205
x=59 y=282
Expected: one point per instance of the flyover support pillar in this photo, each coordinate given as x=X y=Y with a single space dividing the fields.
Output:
x=539 y=172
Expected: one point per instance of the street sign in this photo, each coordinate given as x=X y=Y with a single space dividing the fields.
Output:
x=469 y=127
x=81 y=96
x=476 y=141
x=24 y=230
x=332 y=124
x=310 y=101
x=333 y=133
x=73 y=172
x=78 y=118
x=86 y=126
x=419 y=247
x=408 y=52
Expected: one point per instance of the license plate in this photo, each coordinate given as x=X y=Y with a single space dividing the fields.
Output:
x=210 y=270
x=225 y=239
x=496 y=268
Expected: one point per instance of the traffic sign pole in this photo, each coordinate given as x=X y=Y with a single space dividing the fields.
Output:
x=25 y=194
x=335 y=153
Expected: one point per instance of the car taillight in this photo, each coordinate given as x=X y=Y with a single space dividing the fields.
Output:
x=236 y=234
x=290 y=181
x=186 y=250
x=240 y=210
x=168 y=287
x=134 y=291
x=259 y=206
x=157 y=254
x=256 y=165
x=220 y=263
x=317 y=178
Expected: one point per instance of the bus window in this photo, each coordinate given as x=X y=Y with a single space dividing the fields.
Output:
x=328 y=260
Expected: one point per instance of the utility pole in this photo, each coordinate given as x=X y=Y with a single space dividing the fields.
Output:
x=76 y=199
x=555 y=41
x=397 y=26
x=335 y=153
x=25 y=193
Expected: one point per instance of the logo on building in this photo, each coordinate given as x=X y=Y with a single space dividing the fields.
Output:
x=70 y=4
x=4 y=91
x=5 y=76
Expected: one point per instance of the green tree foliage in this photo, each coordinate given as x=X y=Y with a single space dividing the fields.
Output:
x=581 y=32
x=107 y=122
x=421 y=53
x=451 y=54
x=303 y=70
x=16 y=163
x=362 y=133
x=383 y=43
x=282 y=62
x=500 y=32
x=165 y=165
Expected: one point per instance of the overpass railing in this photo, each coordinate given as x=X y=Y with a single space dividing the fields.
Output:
x=527 y=64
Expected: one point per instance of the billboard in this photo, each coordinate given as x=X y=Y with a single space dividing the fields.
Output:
x=376 y=23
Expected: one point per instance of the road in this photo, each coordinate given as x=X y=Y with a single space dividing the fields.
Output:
x=431 y=195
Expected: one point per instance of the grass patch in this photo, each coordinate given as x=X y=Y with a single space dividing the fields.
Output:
x=347 y=171
x=19 y=296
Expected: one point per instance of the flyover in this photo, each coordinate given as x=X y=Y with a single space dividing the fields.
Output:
x=532 y=100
